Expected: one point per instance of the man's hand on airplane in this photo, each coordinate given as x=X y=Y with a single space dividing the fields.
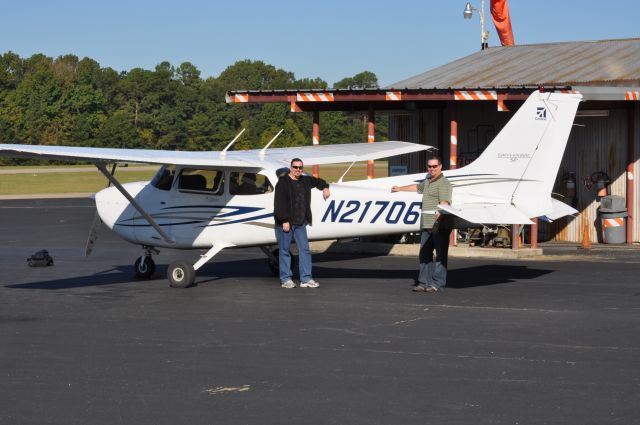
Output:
x=407 y=188
x=326 y=193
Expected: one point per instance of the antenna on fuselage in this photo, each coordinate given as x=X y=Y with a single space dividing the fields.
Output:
x=345 y=173
x=263 y=150
x=224 y=151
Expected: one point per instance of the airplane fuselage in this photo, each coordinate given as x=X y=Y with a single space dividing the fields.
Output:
x=197 y=219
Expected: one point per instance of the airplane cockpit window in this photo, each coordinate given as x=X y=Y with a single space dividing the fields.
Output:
x=249 y=184
x=164 y=177
x=209 y=181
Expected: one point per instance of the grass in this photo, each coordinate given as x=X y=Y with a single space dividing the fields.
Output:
x=80 y=182
x=92 y=181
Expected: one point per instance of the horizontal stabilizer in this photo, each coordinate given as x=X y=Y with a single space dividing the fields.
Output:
x=560 y=209
x=488 y=213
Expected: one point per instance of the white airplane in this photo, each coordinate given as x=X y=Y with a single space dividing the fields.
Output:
x=217 y=200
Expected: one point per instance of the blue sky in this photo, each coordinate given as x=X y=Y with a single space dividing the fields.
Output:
x=329 y=39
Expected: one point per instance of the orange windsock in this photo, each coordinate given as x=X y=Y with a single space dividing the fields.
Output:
x=502 y=21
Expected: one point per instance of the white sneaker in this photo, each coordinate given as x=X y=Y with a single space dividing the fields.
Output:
x=309 y=284
x=289 y=284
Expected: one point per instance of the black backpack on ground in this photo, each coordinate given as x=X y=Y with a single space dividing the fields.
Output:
x=40 y=259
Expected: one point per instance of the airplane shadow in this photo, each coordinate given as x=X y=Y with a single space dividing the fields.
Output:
x=116 y=275
x=458 y=278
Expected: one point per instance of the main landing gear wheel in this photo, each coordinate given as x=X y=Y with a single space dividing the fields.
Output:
x=274 y=262
x=144 y=267
x=181 y=274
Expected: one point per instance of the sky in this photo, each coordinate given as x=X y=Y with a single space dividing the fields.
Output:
x=329 y=39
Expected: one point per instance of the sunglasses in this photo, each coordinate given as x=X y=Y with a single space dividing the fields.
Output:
x=297 y=167
x=433 y=166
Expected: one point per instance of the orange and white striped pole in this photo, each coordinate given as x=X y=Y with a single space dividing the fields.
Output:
x=631 y=159
x=316 y=139
x=453 y=157
x=371 y=137
x=453 y=139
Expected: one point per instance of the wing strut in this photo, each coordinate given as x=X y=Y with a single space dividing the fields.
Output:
x=133 y=202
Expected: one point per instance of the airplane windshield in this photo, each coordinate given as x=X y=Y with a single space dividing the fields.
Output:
x=164 y=177
x=249 y=184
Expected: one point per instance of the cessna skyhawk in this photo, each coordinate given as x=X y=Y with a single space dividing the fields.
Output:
x=218 y=200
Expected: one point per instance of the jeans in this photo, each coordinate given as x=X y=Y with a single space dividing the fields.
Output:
x=299 y=233
x=433 y=271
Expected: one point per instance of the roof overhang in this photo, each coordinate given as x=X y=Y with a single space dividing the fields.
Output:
x=380 y=99
x=393 y=99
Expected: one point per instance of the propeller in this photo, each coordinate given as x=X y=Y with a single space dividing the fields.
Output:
x=96 y=224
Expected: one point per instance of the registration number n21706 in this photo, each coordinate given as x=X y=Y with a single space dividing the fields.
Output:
x=371 y=212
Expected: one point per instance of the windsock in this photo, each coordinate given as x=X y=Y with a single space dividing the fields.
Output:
x=502 y=21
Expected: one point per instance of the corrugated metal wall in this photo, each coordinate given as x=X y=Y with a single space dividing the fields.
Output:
x=404 y=127
x=417 y=127
x=596 y=144
x=478 y=124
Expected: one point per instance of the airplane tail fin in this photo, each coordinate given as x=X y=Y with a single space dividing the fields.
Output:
x=520 y=165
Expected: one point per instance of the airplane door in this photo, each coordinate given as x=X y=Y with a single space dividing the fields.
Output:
x=198 y=195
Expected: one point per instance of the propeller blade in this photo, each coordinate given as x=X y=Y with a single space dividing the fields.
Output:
x=95 y=226
x=93 y=234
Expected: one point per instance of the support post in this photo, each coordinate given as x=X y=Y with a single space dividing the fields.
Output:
x=453 y=139
x=534 y=233
x=631 y=159
x=515 y=236
x=453 y=157
x=371 y=137
x=316 y=139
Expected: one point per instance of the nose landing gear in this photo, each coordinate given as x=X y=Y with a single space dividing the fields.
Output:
x=145 y=267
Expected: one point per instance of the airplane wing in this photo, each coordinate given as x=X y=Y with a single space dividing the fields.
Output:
x=255 y=158
x=101 y=155
x=348 y=152
x=488 y=213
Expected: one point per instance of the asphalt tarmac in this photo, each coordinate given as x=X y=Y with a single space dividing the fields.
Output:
x=547 y=341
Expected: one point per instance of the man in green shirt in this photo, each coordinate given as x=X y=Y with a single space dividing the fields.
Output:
x=435 y=190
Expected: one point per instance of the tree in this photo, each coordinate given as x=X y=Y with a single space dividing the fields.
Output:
x=119 y=132
x=188 y=74
x=74 y=101
x=362 y=80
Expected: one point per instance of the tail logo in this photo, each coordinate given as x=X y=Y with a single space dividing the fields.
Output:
x=541 y=113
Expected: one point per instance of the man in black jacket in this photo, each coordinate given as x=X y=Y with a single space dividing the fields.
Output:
x=292 y=213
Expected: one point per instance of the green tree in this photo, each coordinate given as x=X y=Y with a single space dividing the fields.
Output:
x=119 y=132
x=362 y=80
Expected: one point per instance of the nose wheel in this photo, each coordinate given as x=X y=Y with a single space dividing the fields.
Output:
x=145 y=267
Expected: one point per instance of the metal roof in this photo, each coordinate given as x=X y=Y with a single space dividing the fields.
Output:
x=603 y=63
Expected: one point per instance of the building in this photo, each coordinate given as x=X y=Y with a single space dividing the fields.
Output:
x=460 y=106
